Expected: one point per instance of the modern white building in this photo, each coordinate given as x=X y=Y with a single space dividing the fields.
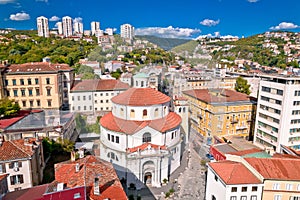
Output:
x=78 y=28
x=94 y=96
x=95 y=27
x=127 y=31
x=42 y=26
x=59 y=26
x=278 y=113
x=141 y=137
x=229 y=180
x=141 y=80
x=67 y=25
x=109 y=31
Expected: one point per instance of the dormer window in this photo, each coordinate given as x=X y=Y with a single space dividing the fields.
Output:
x=132 y=113
x=145 y=113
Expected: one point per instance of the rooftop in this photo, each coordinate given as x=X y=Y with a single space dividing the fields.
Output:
x=112 y=123
x=145 y=146
x=38 y=67
x=35 y=192
x=141 y=97
x=99 y=85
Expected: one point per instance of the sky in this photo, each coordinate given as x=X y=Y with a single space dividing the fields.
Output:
x=165 y=18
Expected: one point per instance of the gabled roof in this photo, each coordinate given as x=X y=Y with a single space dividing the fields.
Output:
x=108 y=121
x=91 y=167
x=32 y=193
x=233 y=173
x=99 y=85
x=38 y=67
x=17 y=149
x=141 y=97
x=144 y=146
x=276 y=168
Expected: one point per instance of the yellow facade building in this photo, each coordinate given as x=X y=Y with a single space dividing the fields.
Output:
x=220 y=112
x=39 y=85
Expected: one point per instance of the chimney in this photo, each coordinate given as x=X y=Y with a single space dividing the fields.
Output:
x=77 y=167
x=96 y=186
x=73 y=156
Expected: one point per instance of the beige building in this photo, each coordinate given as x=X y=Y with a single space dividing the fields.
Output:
x=220 y=112
x=39 y=85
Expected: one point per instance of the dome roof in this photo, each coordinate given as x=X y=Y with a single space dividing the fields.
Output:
x=141 y=97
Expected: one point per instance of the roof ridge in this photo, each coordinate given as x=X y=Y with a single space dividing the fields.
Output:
x=19 y=148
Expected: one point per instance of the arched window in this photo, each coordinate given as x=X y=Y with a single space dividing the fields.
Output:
x=122 y=112
x=156 y=112
x=180 y=110
x=132 y=113
x=183 y=110
x=146 y=137
x=142 y=83
x=145 y=113
x=165 y=110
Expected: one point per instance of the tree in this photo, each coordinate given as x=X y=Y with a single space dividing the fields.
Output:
x=8 y=107
x=242 y=86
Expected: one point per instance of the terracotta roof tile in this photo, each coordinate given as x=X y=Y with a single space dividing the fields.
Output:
x=33 y=193
x=276 y=168
x=234 y=173
x=217 y=95
x=145 y=146
x=141 y=97
x=38 y=67
x=99 y=85
x=110 y=122
x=245 y=152
x=16 y=149
x=91 y=167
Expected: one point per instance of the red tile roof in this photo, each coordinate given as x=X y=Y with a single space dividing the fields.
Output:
x=33 y=193
x=112 y=123
x=141 y=97
x=99 y=85
x=91 y=167
x=245 y=152
x=16 y=149
x=233 y=173
x=38 y=67
x=217 y=95
x=145 y=146
x=276 y=168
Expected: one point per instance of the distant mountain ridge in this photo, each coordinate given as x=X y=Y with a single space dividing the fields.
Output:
x=164 y=43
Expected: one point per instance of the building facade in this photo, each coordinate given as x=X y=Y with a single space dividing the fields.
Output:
x=39 y=85
x=42 y=26
x=67 y=26
x=220 y=112
x=127 y=31
x=278 y=113
x=95 y=27
x=141 y=137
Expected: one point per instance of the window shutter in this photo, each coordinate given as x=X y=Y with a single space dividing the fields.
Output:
x=20 y=164
x=21 y=179
x=12 y=182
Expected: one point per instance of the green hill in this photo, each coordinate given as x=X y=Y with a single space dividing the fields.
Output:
x=164 y=43
x=188 y=46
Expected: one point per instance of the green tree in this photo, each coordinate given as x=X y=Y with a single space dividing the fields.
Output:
x=8 y=107
x=242 y=86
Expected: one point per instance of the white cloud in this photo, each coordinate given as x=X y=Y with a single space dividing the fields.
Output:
x=167 y=32
x=284 y=25
x=54 y=19
x=6 y=1
x=77 y=19
x=252 y=1
x=19 y=16
x=210 y=22
x=217 y=35
x=46 y=1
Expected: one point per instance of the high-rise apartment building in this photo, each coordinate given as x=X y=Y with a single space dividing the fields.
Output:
x=95 y=27
x=127 y=31
x=42 y=26
x=67 y=23
x=278 y=113
x=59 y=28
x=78 y=28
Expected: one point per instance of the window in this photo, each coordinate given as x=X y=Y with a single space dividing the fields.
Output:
x=243 y=197
x=132 y=113
x=289 y=186
x=108 y=137
x=30 y=92
x=78 y=107
x=106 y=101
x=29 y=81
x=23 y=92
x=296 y=103
x=234 y=189
x=113 y=156
x=146 y=137
x=297 y=93
x=122 y=112
x=2 y=168
x=31 y=103
x=253 y=197
x=216 y=178
x=213 y=197
x=84 y=107
x=91 y=107
x=38 y=102
x=276 y=186
x=49 y=103
x=77 y=195
x=36 y=81
x=24 y=103
x=244 y=189
x=49 y=92
x=37 y=92
x=101 y=101
x=47 y=81
x=117 y=140
x=22 y=82
x=266 y=89
x=113 y=138
x=277 y=197
x=145 y=113
x=233 y=198
x=254 y=188
x=280 y=92
x=90 y=97
x=106 y=94
x=78 y=98
x=278 y=102
x=15 y=93
x=16 y=179
x=14 y=82
x=156 y=112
